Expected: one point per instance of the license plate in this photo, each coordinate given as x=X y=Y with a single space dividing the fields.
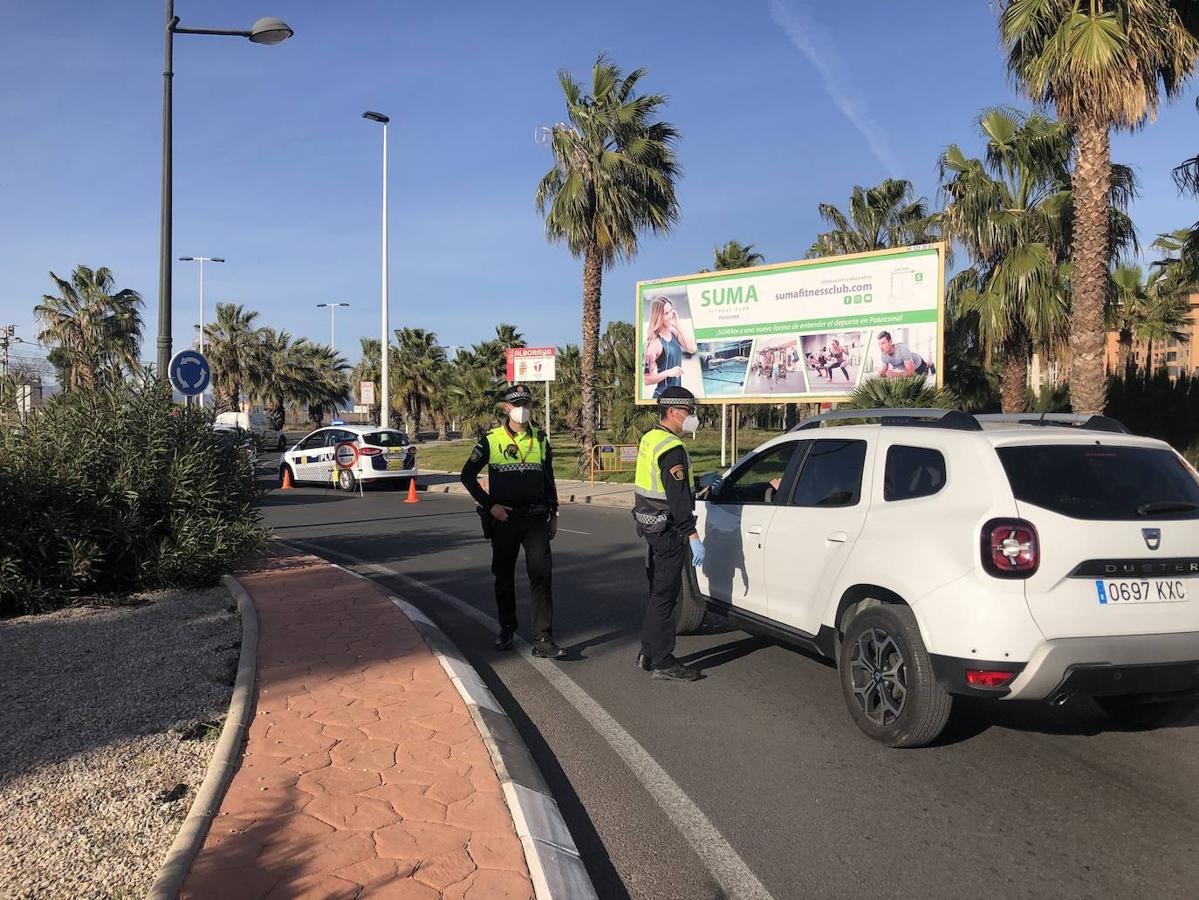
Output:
x=1152 y=590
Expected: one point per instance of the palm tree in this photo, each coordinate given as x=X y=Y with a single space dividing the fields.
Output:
x=472 y=391
x=1009 y=211
x=566 y=397
x=887 y=215
x=412 y=371
x=370 y=368
x=1186 y=176
x=913 y=392
x=281 y=373
x=94 y=331
x=1103 y=64
x=1127 y=309
x=234 y=349
x=325 y=386
x=613 y=178
x=735 y=255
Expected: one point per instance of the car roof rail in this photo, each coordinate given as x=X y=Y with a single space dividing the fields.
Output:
x=918 y=416
x=1068 y=420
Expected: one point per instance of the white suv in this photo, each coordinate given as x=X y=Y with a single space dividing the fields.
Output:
x=935 y=554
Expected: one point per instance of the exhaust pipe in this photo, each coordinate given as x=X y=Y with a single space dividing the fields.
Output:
x=1060 y=699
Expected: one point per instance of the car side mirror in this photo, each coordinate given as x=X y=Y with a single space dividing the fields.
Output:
x=707 y=486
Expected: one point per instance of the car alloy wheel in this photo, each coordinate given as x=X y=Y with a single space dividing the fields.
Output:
x=879 y=676
x=345 y=480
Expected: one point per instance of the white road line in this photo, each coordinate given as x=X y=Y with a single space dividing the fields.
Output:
x=722 y=861
x=572 y=531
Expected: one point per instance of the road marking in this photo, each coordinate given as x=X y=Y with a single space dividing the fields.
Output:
x=718 y=856
x=572 y=531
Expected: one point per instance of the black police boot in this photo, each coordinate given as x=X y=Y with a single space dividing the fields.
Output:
x=547 y=649
x=673 y=670
x=503 y=641
x=643 y=662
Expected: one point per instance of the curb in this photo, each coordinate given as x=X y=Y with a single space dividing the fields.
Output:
x=223 y=764
x=553 y=859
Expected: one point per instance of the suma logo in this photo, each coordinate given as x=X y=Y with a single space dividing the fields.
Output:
x=1153 y=537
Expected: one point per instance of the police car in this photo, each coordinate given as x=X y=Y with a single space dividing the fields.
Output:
x=384 y=454
x=934 y=555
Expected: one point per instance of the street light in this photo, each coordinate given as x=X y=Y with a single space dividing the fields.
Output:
x=201 y=260
x=264 y=31
x=385 y=415
x=332 y=323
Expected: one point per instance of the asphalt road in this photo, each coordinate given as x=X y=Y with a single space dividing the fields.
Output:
x=754 y=781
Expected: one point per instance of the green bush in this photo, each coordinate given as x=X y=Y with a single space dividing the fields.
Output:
x=1154 y=405
x=109 y=492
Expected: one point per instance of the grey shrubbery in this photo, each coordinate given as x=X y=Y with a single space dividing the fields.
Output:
x=108 y=492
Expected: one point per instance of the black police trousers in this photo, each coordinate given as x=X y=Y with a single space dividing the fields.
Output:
x=668 y=553
x=532 y=533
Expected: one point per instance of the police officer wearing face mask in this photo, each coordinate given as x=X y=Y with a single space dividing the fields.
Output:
x=664 y=509
x=520 y=509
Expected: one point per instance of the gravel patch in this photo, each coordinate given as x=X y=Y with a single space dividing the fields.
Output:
x=108 y=717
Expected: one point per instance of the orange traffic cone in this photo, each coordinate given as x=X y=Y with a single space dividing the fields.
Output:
x=411 y=498
x=287 y=485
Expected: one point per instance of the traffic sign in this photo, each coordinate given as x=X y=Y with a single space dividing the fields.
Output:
x=189 y=372
x=531 y=363
x=345 y=454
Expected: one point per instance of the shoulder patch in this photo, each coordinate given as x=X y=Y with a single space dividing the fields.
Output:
x=678 y=472
x=476 y=454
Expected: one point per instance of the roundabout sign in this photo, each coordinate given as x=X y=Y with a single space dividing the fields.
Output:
x=189 y=373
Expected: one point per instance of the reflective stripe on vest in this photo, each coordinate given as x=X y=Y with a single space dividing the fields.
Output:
x=508 y=455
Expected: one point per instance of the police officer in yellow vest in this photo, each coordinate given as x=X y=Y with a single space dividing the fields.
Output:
x=521 y=507
x=664 y=508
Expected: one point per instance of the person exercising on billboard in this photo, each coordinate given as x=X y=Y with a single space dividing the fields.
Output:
x=897 y=360
x=837 y=361
x=666 y=342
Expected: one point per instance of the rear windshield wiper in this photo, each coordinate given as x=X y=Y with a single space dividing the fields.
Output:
x=1164 y=506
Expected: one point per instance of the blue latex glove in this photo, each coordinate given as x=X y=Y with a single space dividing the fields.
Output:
x=697 y=552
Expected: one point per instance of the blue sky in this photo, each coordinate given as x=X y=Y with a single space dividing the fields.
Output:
x=782 y=104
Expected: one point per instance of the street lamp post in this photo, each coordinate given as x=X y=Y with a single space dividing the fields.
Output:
x=332 y=323
x=385 y=399
x=201 y=260
x=265 y=31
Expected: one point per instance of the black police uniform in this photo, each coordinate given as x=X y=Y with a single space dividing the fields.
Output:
x=531 y=493
x=669 y=552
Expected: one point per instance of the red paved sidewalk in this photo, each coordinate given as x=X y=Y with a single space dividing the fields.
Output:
x=364 y=774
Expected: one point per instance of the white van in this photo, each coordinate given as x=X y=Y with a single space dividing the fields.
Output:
x=257 y=424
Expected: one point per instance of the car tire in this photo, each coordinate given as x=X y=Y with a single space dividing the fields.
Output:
x=1137 y=712
x=346 y=480
x=690 y=609
x=887 y=678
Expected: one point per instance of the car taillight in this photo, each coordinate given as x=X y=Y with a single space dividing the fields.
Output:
x=985 y=678
x=369 y=451
x=1010 y=548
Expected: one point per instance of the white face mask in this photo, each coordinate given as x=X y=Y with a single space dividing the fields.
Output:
x=691 y=423
x=520 y=414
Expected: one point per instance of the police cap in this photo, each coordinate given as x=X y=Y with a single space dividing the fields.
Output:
x=516 y=394
x=676 y=396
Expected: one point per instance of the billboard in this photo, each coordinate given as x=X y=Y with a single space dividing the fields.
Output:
x=801 y=332
x=531 y=363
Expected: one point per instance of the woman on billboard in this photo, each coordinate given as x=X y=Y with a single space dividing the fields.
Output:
x=667 y=339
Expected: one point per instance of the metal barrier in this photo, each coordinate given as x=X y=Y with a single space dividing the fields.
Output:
x=612 y=458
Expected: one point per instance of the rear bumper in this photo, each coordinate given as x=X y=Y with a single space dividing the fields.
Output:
x=384 y=474
x=1102 y=666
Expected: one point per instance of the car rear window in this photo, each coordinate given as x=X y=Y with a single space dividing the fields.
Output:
x=913 y=472
x=385 y=439
x=1092 y=481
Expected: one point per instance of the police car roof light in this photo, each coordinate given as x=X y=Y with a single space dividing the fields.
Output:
x=338 y=422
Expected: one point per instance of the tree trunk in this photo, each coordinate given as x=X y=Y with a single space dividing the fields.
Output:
x=1149 y=367
x=1123 y=351
x=1092 y=177
x=1013 y=393
x=593 y=275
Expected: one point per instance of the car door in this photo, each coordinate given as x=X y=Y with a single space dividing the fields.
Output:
x=306 y=457
x=812 y=533
x=734 y=522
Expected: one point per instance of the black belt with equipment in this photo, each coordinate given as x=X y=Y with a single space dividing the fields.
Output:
x=529 y=511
